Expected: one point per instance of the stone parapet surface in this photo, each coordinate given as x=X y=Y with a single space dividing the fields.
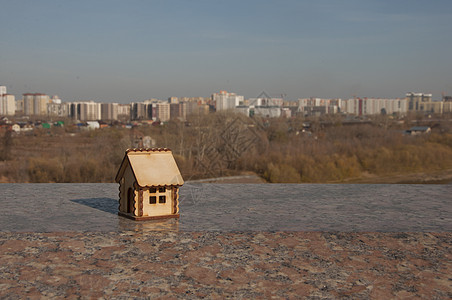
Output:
x=235 y=207
x=232 y=241
x=218 y=265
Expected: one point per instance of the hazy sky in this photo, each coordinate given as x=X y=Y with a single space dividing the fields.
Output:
x=123 y=51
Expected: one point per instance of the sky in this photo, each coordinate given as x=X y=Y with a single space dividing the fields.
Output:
x=124 y=51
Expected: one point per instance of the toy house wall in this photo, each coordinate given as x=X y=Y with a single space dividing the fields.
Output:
x=157 y=209
x=127 y=182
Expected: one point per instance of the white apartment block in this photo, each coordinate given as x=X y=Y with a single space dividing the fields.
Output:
x=109 y=111
x=162 y=112
x=7 y=103
x=153 y=109
x=140 y=111
x=373 y=106
x=123 y=109
x=420 y=102
x=265 y=102
x=266 y=111
x=178 y=110
x=85 y=111
x=415 y=100
x=355 y=106
x=35 y=104
x=28 y=100
x=56 y=99
x=313 y=105
x=197 y=108
x=225 y=101
x=55 y=109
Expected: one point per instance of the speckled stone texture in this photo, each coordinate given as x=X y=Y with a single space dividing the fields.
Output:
x=232 y=241
x=216 y=265
x=235 y=207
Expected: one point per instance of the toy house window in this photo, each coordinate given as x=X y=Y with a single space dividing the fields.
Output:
x=157 y=193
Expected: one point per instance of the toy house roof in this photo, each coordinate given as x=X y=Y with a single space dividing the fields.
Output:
x=151 y=167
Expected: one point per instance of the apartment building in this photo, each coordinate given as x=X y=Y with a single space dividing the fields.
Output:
x=162 y=111
x=420 y=102
x=55 y=109
x=178 y=110
x=108 y=111
x=447 y=104
x=152 y=109
x=225 y=101
x=173 y=100
x=142 y=110
x=124 y=111
x=7 y=103
x=267 y=102
x=417 y=100
x=373 y=106
x=85 y=111
x=35 y=104
x=319 y=106
x=266 y=111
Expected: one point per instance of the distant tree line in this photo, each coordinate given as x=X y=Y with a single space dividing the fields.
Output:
x=293 y=150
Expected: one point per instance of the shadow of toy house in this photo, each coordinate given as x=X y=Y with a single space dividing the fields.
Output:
x=108 y=205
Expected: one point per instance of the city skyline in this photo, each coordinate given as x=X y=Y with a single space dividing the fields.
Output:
x=116 y=51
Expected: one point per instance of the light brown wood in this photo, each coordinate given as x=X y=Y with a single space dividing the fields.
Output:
x=149 y=182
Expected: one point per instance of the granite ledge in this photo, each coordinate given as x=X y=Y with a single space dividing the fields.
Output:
x=215 y=265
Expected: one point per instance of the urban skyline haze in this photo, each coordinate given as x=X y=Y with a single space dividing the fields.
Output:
x=123 y=51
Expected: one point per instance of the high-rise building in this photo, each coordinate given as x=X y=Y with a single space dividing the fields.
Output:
x=7 y=103
x=40 y=104
x=267 y=102
x=318 y=106
x=162 y=112
x=85 y=111
x=173 y=100
x=35 y=104
x=28 y=100
x=447 y=104
x=420 y=102
x=55 y=109
x=416 y=101
x=109 y=111
x=124 y=111
x=373 y=106
x=225 y=101
x=56 y=99
x=178 y=110
x=196 y=108
x=152 y=109
x=141 y=110
x=20 y=106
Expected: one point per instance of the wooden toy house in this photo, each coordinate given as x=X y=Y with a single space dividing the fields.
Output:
x=149 y=182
